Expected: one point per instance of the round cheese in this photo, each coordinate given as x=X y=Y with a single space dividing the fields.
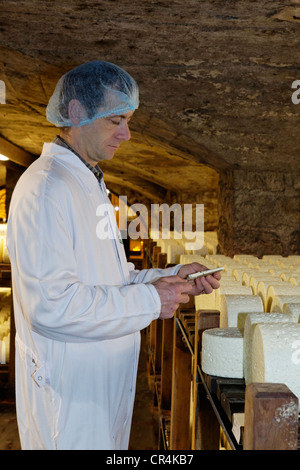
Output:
x=246 y=276
x=205 y=301
x=284 y=288
x=260 y=277
x=173 y=253
x=262 y=290
x=279 y=301
x=2 y=352
x=294 y=280
x=272 y=258
x=243 y=259
x=233 y=288
x=6 y=341
x=209 y=301
x=186 y=259
x=233 y=309
x=5 y=255
x=294 y=258
x=276 y=355
x=251 y=321
x=292 y=309
x=222 y=352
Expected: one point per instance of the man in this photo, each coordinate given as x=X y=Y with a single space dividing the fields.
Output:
x=79 y=307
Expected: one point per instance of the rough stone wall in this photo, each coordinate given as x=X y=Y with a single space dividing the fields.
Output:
x=259 y=212
x=215 y=84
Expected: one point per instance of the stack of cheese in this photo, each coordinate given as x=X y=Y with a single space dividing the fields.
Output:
x=183 y=243
x=254 y=323
x=248 y=275
x=259 y=305
x=4 y=258
x=266 y=350
x=5 y=303
x=4 y=342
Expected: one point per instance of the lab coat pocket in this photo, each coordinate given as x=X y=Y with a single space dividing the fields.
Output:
x=39 y=375
x=36 y=367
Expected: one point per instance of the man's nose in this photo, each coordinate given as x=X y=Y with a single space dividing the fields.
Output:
x=124 y=132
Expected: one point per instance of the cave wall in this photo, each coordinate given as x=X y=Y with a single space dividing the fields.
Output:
x=259 y=212
x=215 y=84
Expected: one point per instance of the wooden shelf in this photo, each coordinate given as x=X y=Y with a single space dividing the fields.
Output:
x=198 y=411
x=7 y=371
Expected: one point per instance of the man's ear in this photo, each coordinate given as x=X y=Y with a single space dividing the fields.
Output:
x=76 y=112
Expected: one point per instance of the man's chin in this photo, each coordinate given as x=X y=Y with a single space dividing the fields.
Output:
x=111 y=152
x=106 y=156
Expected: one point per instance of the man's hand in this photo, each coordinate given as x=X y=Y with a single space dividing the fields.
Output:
x=172 y=290
x=201 y=285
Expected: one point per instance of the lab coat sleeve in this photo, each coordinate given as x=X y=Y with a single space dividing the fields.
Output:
x=54 y=301
x=151 y=275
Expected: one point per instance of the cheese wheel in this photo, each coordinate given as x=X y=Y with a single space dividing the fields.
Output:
x=228 y=280
x=218 y=260
x=294 y=258
x=276 y=355
x=228 y=268
x=286 y=265
x=258 y=264
x=233 y=309
x=208 y=301
x=272 y=258
x=262 y=289
x=246 y=276
x=279 y=301
x=222 y=352
x=2 y=243
x=2 y=352
x=232 y=288
x=4 y=315
x=4 y=329
x=251 y=321
x=292 y=309
x=205 y=301
x=294 y=280
x=258 y=277
x=173 y=253
x=280 y=289
x=286 y=274
x=164 y=243
x=186 y=259
x=5 y=255
x=192 y=247
x=237 y=273
x=243 y=259
x=6 y=341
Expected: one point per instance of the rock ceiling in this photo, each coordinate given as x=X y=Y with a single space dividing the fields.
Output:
x=215 y=83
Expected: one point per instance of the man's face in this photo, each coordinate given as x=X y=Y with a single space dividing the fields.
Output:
x=100 y=139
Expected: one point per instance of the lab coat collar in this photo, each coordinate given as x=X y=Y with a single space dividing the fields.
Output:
x=67 y=158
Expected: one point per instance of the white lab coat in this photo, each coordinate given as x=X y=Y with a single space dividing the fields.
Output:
x=78 y=310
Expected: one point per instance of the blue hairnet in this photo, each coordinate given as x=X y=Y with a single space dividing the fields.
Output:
x=101 y=88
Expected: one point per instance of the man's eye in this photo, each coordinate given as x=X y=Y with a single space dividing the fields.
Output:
x=116 y=121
